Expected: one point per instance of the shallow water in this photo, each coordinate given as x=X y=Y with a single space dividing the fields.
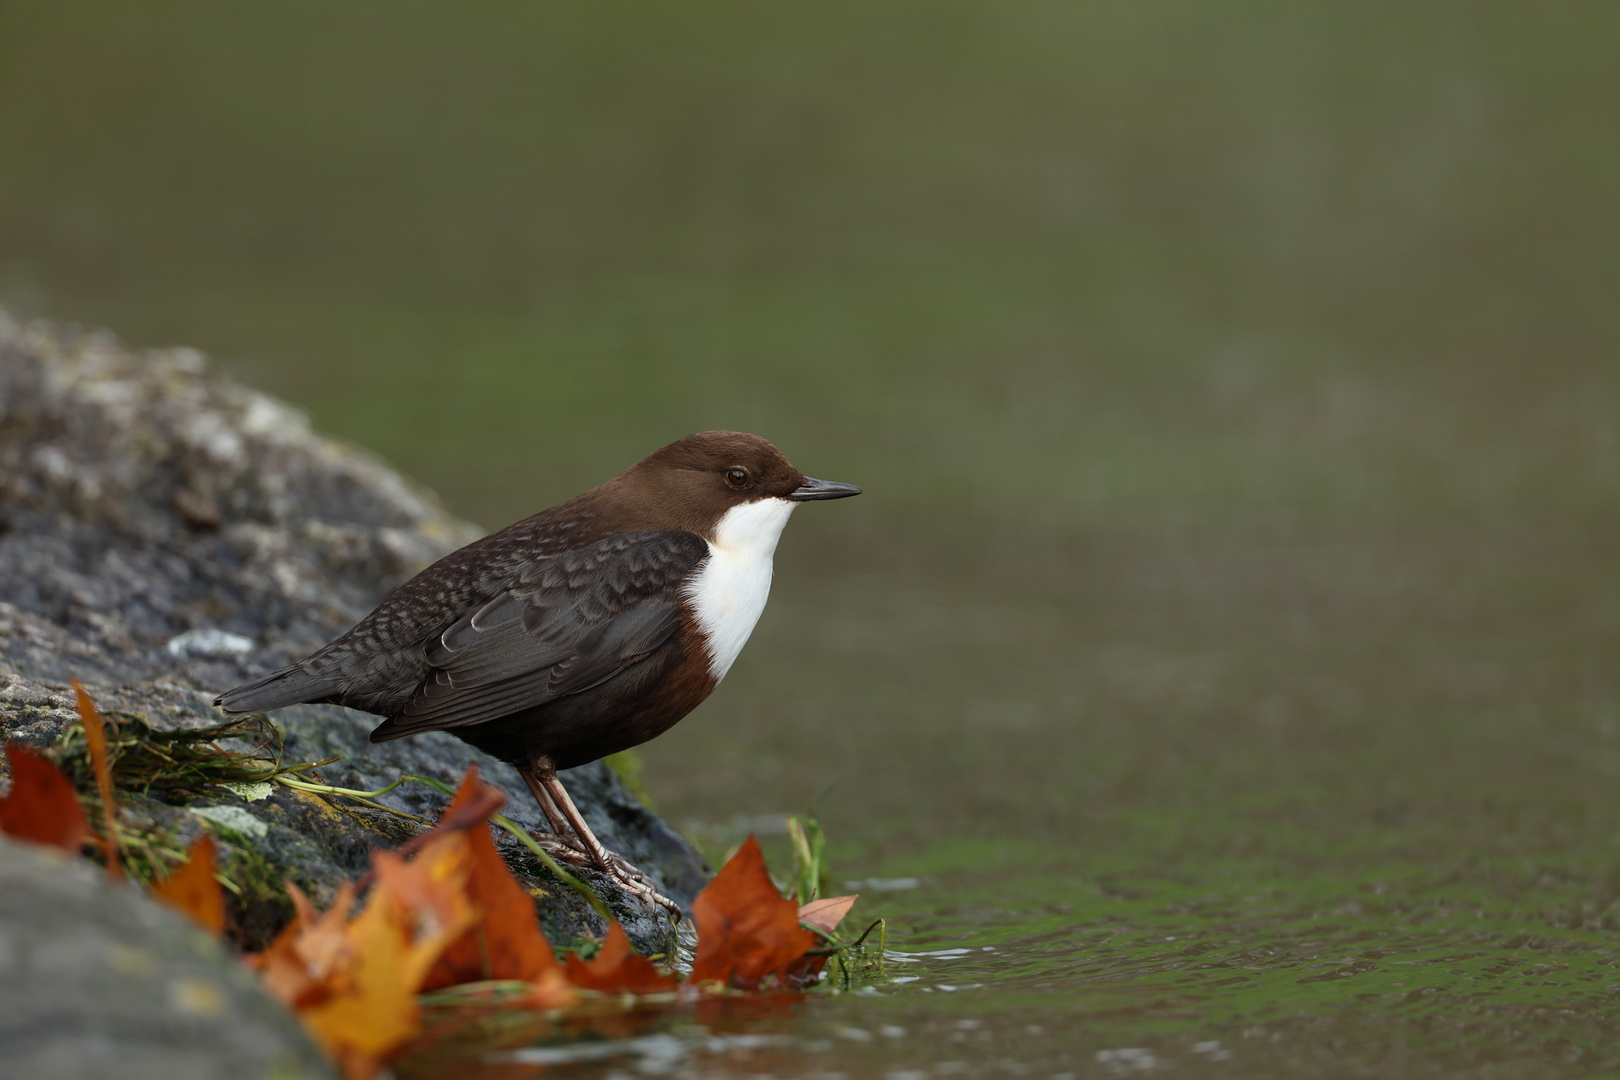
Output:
x=1224 y=649
x=1368 y=829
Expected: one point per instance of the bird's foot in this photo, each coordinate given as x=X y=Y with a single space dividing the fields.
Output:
x=630 y=879
x=562 y=850
x=638 y=884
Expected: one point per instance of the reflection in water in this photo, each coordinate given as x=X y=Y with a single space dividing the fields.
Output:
x=652 y=1036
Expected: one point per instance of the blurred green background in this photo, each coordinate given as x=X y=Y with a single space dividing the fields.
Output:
x=1234 y=388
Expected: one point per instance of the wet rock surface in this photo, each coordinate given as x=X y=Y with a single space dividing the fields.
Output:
x=166 y=534
x=101 y=980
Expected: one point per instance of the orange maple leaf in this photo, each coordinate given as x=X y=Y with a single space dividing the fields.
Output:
x=369 y=1005
x=353 y=982
x=746 y=930
x=192 y=889
x=42 y=806
x=295 y=964
x=506 y=943
x=431 y=892
x=618 y=968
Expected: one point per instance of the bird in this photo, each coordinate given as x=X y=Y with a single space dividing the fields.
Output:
x=578 y=632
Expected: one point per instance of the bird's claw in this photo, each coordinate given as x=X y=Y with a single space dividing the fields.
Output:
x=632 y=880
x=637 y=883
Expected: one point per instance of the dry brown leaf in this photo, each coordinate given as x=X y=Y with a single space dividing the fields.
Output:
x=192 y=889
x=95 y=737
x=825 y=914
x=42 y=807
x=618 y=968
x=746 y=930
x=506 y=943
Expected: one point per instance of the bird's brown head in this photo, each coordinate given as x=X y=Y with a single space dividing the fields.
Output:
x=693 y=482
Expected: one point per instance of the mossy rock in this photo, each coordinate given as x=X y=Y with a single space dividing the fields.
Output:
x=166 y=533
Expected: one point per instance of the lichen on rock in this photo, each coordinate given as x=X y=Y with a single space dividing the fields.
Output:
x=166 y=533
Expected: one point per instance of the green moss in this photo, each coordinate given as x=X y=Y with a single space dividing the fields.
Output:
x=156 y=774
x=258 y=907
x=174 y=765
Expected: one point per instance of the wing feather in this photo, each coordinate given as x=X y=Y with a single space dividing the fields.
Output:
x=568 y=623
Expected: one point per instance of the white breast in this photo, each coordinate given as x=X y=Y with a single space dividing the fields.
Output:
x=729 y=592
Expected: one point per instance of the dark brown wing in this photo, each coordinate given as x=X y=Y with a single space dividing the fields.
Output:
x=571 y=622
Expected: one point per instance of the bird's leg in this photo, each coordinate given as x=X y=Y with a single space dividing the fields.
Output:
x=634 y=881
x=560 y=845
x=559 y=824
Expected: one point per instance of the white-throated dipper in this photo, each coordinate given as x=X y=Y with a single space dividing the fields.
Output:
x=584 y=630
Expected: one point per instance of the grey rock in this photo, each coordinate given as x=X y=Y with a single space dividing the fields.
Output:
x=166 y=533
x=100 y=980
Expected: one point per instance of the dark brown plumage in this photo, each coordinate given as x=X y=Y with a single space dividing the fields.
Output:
x=578 y=632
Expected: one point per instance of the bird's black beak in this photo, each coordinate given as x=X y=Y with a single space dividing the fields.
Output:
x=822 y=489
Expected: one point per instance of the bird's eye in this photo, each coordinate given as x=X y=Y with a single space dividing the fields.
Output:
x=736 y=477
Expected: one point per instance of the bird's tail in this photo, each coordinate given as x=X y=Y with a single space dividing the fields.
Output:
x=292 y=685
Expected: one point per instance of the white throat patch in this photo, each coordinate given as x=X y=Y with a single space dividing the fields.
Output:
x=729 y=593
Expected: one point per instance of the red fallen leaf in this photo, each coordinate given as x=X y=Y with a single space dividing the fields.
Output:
x=825 y=915
x=473 y=805
x=506 y=943
x=42 y=806
x=95 y=737
x=192 y=889
x=746 y=930
x=617 y=968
